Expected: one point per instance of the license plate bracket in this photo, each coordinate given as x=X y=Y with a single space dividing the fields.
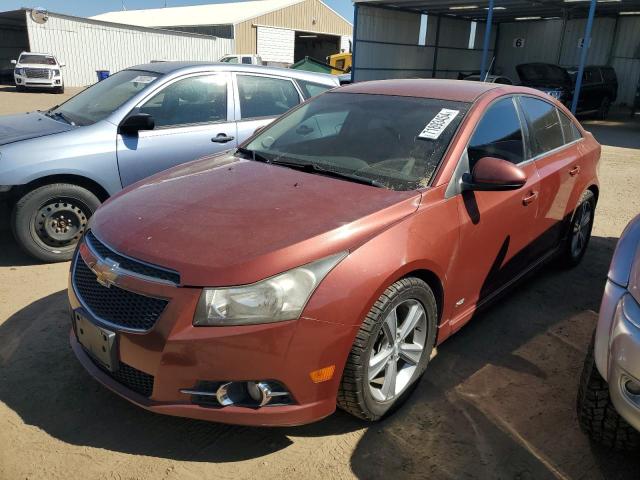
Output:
x=99 y=342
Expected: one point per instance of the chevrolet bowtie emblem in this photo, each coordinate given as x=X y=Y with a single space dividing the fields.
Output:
x=107 y=271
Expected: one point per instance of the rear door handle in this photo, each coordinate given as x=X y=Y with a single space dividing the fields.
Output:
x=222 y=138
x=529 y=198
x=574 y=171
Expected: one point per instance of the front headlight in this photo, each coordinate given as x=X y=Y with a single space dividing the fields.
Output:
x=56 y=73
x=19 y=71
x=281 y=297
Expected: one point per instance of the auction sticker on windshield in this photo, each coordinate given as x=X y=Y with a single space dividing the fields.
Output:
x=436 y=126
x=143 y=79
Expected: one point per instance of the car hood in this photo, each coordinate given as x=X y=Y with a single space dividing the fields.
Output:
x=36 y=65
x=14 y=128
x=543 y=75
x=224 y=221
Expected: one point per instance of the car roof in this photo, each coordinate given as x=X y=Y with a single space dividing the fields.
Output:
x=455 y=90
x=193 y=67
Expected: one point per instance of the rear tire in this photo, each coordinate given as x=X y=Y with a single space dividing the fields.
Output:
x=48 y=221
x=375 y=362
x=580 y=228
x=605 y=106
x=597 y=416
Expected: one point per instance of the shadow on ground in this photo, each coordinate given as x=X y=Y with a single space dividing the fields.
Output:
x=620 y=129
x=497 y=401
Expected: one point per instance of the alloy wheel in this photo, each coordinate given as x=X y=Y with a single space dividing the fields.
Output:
x=581 y=227
x=397 y=350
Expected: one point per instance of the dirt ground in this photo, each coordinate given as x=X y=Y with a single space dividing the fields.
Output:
x=497 y=402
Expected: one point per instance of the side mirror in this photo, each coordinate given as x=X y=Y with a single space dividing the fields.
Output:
x=494 y=174
x=137 y=122
x=62 y=64
x=14 y=62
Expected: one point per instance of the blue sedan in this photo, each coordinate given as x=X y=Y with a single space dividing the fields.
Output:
x=57 y=166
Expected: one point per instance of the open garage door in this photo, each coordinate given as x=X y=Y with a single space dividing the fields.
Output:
x=13 y=41
x=315 y=45
x=276 y=45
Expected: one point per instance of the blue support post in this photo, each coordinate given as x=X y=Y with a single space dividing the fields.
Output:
x=487 y=39
x=583 y=56
x=354 y=41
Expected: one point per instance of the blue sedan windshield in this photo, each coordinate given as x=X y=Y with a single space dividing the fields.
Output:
x=100 y=100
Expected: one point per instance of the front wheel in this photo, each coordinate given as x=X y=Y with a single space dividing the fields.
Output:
x=48 y=221
x=597 y=415
x=391 y=350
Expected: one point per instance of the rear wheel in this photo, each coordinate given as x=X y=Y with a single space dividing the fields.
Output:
x=391 y=350
x=597 y=416
x=580 y=230
x=48 y=221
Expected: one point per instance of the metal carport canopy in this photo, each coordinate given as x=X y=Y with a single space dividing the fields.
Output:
x=498 y=11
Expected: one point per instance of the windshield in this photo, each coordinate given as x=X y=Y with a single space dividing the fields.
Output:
x=103 y=98
x=37 y=59
x=397 y=142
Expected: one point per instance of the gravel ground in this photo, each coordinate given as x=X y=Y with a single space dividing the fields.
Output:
x=497 y=401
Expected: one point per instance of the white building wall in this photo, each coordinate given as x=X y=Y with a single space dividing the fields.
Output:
x=87 y=45
x=276 y=44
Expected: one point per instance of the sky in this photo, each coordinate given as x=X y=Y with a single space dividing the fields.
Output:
x=87 y=8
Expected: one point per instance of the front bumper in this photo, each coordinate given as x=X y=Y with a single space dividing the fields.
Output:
x=618 y=350
x=27 y=82
x=178 y=356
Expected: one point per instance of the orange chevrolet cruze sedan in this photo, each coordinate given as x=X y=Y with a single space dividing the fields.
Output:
x=321 y=263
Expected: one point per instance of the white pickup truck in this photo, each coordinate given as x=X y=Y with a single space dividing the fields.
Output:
x=246 y=58
x=38 y=70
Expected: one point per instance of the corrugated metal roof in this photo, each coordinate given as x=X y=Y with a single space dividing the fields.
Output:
x=212 y=14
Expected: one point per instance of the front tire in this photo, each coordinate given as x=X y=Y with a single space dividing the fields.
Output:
x=391 y=350
x=48 y=221
x=597 y=415
x=577 y=240
x=60 y=89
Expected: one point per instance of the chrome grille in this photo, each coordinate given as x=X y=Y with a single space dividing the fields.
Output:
x=38 y=73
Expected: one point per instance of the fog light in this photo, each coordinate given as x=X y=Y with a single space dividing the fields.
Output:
x=259 y=392
x=632 y=387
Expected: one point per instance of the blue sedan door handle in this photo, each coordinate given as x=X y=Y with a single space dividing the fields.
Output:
x=222 y=138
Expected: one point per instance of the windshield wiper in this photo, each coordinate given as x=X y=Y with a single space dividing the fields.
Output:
x=254 y=156
x=313 y=168
x=59 y=115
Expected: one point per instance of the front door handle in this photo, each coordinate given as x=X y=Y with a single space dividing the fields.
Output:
x=222 y=138
x=529 y=198
x=574 y=171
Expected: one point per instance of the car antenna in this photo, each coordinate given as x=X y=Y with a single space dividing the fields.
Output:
x=486 y=74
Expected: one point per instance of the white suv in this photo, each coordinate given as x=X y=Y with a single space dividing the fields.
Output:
x=38 y=70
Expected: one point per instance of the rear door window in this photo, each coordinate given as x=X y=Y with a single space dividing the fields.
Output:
x=545 y=131
x=265 y=96
x=498 y=134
